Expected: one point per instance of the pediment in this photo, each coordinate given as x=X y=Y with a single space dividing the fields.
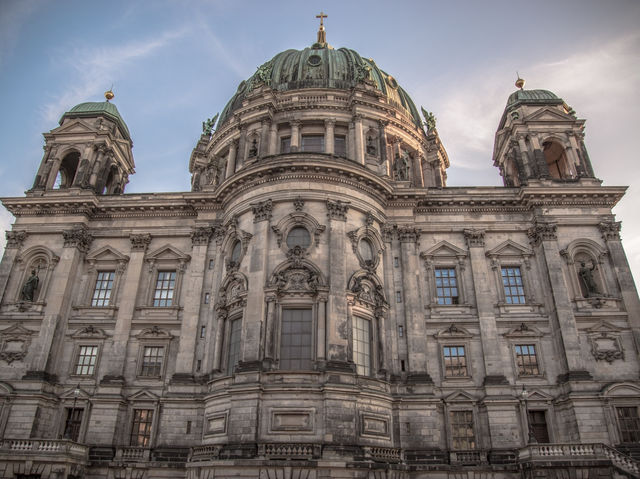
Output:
x=89 y=332
x=106 y=253
x=143 y=395
x=453 y=332
x=460 y=396
x=537 y=395
x=523 y=331
x=74 y=126
x=622 y=390
x=549 y=114
x=444 y=249
x=509 y=248
x=603 y=327
x=71 y=394
x=154 y=332
x=167 y=253
x=16 y=330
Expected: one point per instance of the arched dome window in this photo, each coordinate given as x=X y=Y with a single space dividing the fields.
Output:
x=298 y=236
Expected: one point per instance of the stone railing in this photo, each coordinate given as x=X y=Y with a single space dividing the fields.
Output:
x=386 y=454
x=286 y=450
x=580 y=451
x=132 y=454
x=45 y=446
x=468 y=457
x=204 y=453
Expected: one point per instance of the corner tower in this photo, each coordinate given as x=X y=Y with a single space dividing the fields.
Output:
x=90 y=150
x=539 y=138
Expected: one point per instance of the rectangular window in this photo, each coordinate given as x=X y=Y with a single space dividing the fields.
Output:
x=629 y=424
x=73 y=423
x=527 y=360
x=285 y=144
x=102 y=291
x=152 y=359
x=538 y=426
x=86 y=361
x=340 y=145
x=455 y=361
x=462 y=437
x=296 y=352
x=165 y=286
x=141 y=427
x=313 y=143
x=362 y=345
x=234 y=345
x=512 y=284
x=446 y=286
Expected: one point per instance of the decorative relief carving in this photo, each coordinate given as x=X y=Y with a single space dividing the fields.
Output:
x=201 y=235
x=298 y=203
x=610 y=230
x=15 y=239
x=77 y=238
x=542 y=232
x=262 y=210
x=605 y=342
x=14 y=343
x=408 y=234
x=474 y=237
x=139 y=242
x=337 y=210
x=368 y=292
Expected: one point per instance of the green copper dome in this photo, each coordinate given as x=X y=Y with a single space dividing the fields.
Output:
x=532 y=96
x=92 y=109
x=320 y=66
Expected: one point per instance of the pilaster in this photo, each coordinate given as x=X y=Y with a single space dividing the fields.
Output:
x=329 y=126
x=15 y=240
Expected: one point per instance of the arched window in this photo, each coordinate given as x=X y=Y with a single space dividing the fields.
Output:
x=556 y=158
x=67 y=171
x=299 y=236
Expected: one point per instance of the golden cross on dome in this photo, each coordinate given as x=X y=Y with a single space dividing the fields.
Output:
x=322 y=16
x=322 y=35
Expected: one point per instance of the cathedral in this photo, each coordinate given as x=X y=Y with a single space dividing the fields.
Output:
x=320 y=304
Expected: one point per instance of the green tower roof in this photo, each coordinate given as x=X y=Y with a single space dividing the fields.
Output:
x=92 y=109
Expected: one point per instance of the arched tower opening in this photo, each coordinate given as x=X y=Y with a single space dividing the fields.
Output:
x=556 y=159
x=67 y=171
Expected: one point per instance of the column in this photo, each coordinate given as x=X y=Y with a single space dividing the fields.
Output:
x=97 y=164
x=544 y=239
x=269 y=330
x=485 y=298
x=242 y=148
x=295 y=135
x=359 y=139
x=273 y=138
x=231 y=159
x=264 y=137
x=337 y=326
x=76 y=243
x=328 y=135
x=200 y=237
x=212 y=354
x=113 y=358
x=351 y=142
x=530 y=172
x=611 y=234
x=382 y=136
x=413 y=310
x=322 y=327
x=15 y=240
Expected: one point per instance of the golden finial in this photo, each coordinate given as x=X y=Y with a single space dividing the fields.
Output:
x=109 y=94
x=322 y=35
x=519 y=82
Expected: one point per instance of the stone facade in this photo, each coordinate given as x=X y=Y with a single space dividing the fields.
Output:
x=320 y=304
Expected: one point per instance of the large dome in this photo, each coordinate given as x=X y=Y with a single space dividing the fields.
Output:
x=320 y=66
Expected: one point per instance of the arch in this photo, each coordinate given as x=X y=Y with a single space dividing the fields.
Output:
x=370 y=234
x=297 y=275
x=368 y=291
x=555 y=156
x=41 y=260
x=67 y=170
x=112 y=182
x=585 y=260
x=297 y=218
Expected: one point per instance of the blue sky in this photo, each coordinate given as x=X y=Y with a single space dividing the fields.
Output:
x=175 y=63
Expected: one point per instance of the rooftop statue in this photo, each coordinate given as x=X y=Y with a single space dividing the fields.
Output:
x=207 y=126
x=430 y=119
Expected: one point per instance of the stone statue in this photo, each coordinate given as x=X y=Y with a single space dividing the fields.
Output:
x=262 y=75
x=430 y=119
x=30 y=286
x=207 y=126
x=371 y=148
x=586 y=276
x=253 y=151
x=401 y=167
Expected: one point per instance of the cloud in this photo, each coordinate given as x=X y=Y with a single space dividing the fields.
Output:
x=13 y=15
x=94 y=65
x=222 y=52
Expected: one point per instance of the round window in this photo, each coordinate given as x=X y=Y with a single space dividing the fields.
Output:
x=366 y=249
x=298 y=236
x=314 y=60
x=236 y=251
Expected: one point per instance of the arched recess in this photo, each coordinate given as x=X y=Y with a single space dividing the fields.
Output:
x=367 y=310
x=234 y=245
x=229 y=308
x=41 y=261
x=298 y=219
x=364 y=240
x=296 y=294
x=67 y=170
x=586 y=263
x=556 y=158
x=622 y=412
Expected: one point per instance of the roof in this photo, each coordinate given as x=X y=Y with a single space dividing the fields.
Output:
x=92 y=109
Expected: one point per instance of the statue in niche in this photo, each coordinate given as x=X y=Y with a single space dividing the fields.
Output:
x=586 y=276
x=30 y=286
x=371 y=148
x=401 y=167
x=253 y=151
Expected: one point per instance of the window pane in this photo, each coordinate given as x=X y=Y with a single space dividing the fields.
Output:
x=285 y=144
x=141 y=427
x=298 y=236
x=234 y=345
x=512 y=284
x=86 y=360
x=296 y=339
x=629 y=424
x=73 y=423
x=366 y=250
x=314 y=143
x=102 y=291
x=455 y=361
x=152 y=359
x=340 y=145
x=462 y=436
x=446 y=286
x=165 y=285
x=527 y=360
x=362 y=345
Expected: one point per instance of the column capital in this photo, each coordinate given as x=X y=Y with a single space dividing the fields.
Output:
x=542 y=232
x=78 y=238
x=262 y=210
x=15 y=239
x=139 y=242
x=474 y=237
x=408 y=234
x=610 y=230
x=337 y=210
x=329 y=122
x=295 y=123
x=201 y=235
x=357 y=117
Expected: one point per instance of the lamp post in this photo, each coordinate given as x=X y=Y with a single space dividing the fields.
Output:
x=69 y=426
x=532 y=438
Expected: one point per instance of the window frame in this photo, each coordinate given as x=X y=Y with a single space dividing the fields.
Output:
x=132 y=423
x=153 y=337
x=616 y=408
x=165 y=258
x=454 y=336
x=105 y=259
x=294 y=306
x=169 y=300
x=76 y=358
x=445 y=255
x=227 y=367
x=109 y=298
x=474 y=435
x=534 y=345
x=371 y=343
x=313 y=135
x=505 y=296
x=142 y=372
x=510 y=254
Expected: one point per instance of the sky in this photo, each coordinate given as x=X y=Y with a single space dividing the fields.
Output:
x=175 y=63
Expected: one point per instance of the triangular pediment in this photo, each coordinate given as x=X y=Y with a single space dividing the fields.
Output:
x=75 y=393
x=537 y=395
x=16 y=330
x=549 y=114
x=143 y=395
x=106 y=253
x=603 y=327
x=523 y=330
x=74 y=126
x=168 y=252
x=509 y=248
x=460 y=396
x=444 y=249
